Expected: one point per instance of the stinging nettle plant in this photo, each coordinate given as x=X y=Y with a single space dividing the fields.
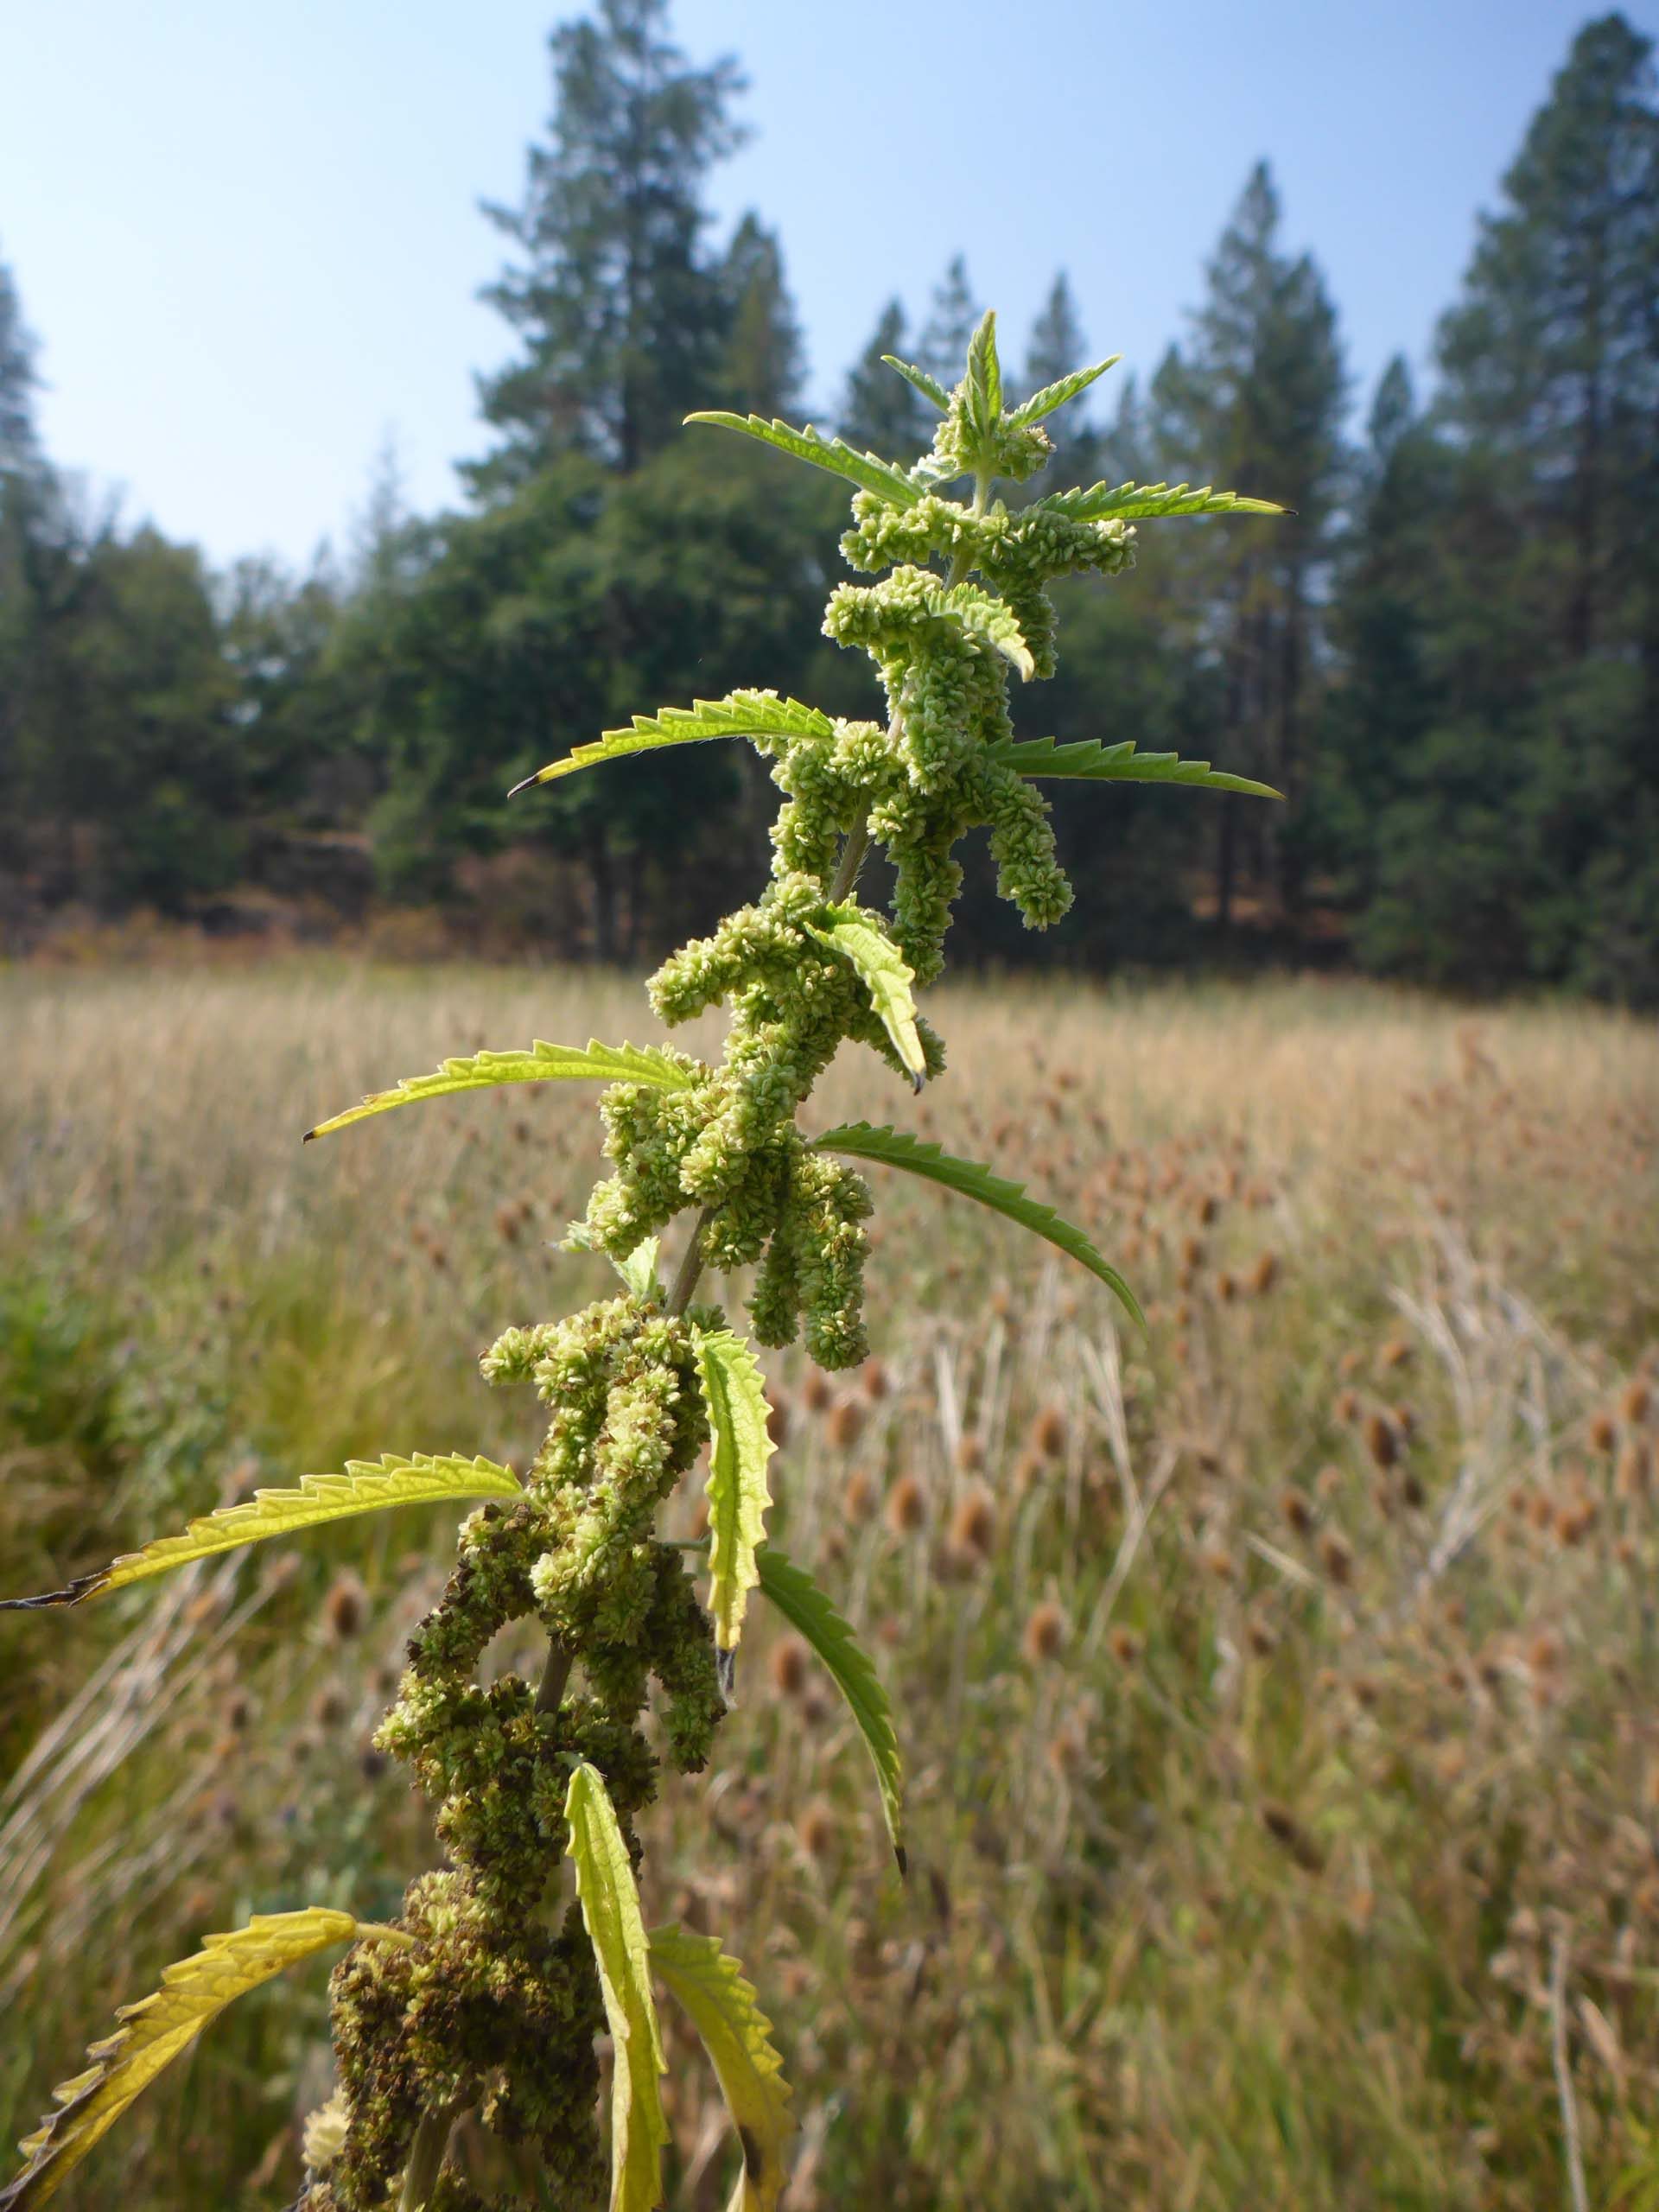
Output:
x=489 y=1992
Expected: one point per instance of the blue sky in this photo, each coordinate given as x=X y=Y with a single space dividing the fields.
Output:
x=248 y=236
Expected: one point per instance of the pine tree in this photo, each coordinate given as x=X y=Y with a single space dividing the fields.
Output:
x=622 y=315
x=1057 y=345
x=952 y=316
x=1551 y=358
x=764 y=363
x=1257 y=395
x=881 y=413
x=19 y=382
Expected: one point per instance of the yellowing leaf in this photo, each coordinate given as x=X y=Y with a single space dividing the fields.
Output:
x=156 y=2030
x=801 y=1602
x=735 y=1393
x=736 y=2035
x=610 y=1908
x=365 y=1487
x=884 y=974
x=541 y=1064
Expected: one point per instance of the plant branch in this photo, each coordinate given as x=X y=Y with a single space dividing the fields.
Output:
x=426 y=2157
x=555 y=1675
x=690 y=1267
x=852 y=859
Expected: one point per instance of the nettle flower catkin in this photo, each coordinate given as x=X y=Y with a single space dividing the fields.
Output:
x=493 y=2006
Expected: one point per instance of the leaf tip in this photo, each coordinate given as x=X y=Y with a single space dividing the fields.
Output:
x=725 y=1673
x=525 y=785
x=902 y=1857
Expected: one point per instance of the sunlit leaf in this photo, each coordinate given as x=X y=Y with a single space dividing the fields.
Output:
x=736 y=2034
x=740 y=714
x=156 y=2030
x=610 y=1910
x=884 y=974
x=930 y=387
x=1147 y=502
x=733 y=1391
x=864 y=469
x=592 y=1063
x=1056 y=394
x=804 y=1606
x=639 y=1270
x=859 y=1140
x=1087 y=761
x=984 y=379
x=365 y=1487
x=986 y=617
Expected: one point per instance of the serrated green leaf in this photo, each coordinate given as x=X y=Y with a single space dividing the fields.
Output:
x=806 y=1609
x=988 y=617
x=930 y=387
x=1056 y=394
x=1145 y=502
x=639 y=1270
x=592 y=1063
x=740 y=714
x=857 y=937
x=864 y=469
x=891 y=1148
x=733 y=1391
x=984 y=379
x=367 y=1486
x=1087 y=761
x=156 y=2030
x=736 y=2034
x=610 y=1910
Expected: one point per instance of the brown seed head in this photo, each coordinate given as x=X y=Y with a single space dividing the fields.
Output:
x=346 y=1608
x=1264 y=1273
x=858 y=1499
x=788 y=1665
x=1604 y=1431
x=1125 y=1645
x=816 y=1829
x=816 y=1393
x=1633 y=1405
x=1382 y=1441
x=973 y=1525
x=1336 y=1557
x=1045 y=1635
x=778 y=1419
x=1048 y=1433
x=1297 y=1507
x=906 y=1506
x=846 y=1423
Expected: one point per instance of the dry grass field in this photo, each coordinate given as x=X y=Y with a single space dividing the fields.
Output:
x=1276 y=1690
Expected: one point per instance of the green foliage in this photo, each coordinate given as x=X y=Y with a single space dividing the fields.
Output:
x=1087 y=761
x=882 y=970
x=745 y=714
x=1143 y=502
x=154 y=2031
x=835 y=455
x=734 y=1393
x=806 y=1609
x=610 y=1912
x=893 y=1148
x=736 y=2034
x=919 y=380
x=367 y=1486
x=543 y=1063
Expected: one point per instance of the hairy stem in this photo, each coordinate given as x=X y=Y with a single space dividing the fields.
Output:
x=852 y=859
x=690 y=1267
x=555 y=1675
x=426 y=2158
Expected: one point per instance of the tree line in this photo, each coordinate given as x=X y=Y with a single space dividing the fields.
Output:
x=1447 y=657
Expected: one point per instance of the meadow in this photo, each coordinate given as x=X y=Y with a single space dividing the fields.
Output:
x=1275 y=1688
